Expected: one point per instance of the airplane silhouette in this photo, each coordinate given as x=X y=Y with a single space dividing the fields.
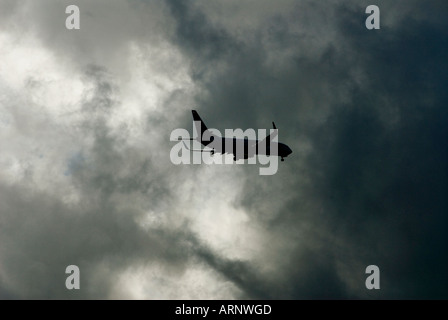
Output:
x=241 y=148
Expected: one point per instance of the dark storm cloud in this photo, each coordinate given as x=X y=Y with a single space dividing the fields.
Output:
x=387 y=184
x=375 y=179
x=364 y=112
x=278 y=70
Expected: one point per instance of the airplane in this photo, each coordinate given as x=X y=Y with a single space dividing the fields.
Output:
x=241 y=148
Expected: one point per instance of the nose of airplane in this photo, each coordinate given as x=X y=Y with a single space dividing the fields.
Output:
x=285 y=150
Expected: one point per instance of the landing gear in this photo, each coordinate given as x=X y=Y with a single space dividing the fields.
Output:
x=283 y=159
x=212 y=152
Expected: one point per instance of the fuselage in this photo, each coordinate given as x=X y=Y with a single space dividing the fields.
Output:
x=240 y=148
x=246 y=148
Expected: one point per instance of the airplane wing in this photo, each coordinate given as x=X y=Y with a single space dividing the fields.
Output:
x=212 y=151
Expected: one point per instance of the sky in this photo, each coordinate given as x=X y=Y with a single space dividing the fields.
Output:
x=85 y=171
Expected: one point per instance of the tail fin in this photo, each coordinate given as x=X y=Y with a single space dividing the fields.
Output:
x=200 y=127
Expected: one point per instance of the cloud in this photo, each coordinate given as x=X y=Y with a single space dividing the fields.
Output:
x=85 y=120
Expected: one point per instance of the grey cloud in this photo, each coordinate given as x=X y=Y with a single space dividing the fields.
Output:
x=375 y=125
x=363 y=111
